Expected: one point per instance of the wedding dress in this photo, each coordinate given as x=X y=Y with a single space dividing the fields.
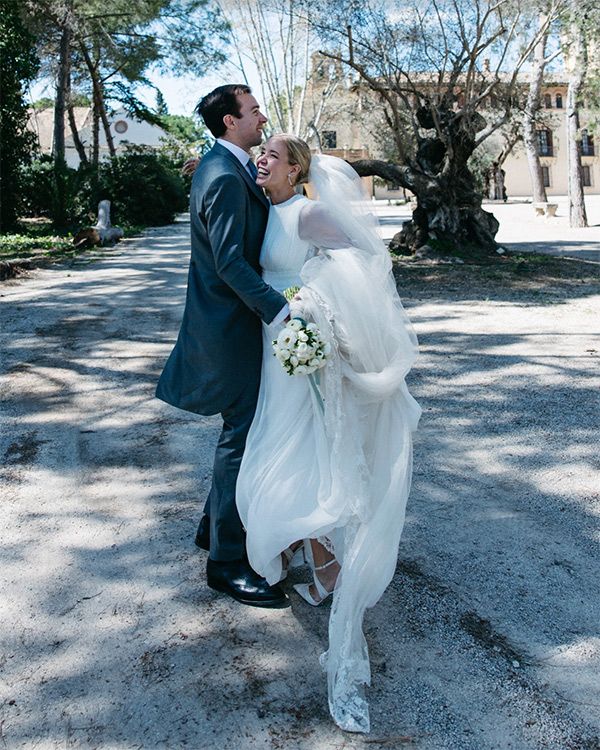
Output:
x=334 y=466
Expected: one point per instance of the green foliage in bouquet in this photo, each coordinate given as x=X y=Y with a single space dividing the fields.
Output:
x=291 y=292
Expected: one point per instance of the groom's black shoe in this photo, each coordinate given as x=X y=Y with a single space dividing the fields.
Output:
x=237 y=579
x=202 y=539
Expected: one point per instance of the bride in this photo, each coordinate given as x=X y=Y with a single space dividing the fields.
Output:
x=326 y=472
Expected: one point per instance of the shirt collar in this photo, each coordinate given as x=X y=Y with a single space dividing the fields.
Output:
x=239 y=153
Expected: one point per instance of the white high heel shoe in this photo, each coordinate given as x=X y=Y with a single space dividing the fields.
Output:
x=295 y=559
x=304 y=588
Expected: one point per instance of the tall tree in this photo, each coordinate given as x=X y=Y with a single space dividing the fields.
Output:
x=109 y=45
x=539 y=63
x=577 y=212
x=277 y=39
x=18 y=66
x=581 y=27
x=454 y=67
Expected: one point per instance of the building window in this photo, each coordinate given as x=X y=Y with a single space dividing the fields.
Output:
x=559 y=101
x=329 y=139
x=587 y=176
x=121 y=126
x=545 y=142
x=393 y=186
x=546 y=176
x=587 y=144
x=547 y=101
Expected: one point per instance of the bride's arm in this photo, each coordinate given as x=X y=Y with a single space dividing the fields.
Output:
x=317 y=225
x=323 y=231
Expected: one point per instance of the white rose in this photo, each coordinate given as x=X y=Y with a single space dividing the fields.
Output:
x=301 y=370
x=312 y=327
x=302 y=336
x=286 y=339
x=303 y=350
x=315 y=363
x=294 y=325
x=293 y=360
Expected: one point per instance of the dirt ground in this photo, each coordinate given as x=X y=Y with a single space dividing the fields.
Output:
x=488 y=637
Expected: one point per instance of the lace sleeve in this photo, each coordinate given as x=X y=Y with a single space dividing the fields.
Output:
x=318 y=226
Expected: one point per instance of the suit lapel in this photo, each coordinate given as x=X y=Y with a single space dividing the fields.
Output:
x=246 y=175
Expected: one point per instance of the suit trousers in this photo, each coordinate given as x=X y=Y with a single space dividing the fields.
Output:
x=227 y=536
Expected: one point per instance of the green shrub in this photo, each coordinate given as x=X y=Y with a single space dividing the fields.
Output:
x=18 y=66
x=143 y=188
x=39 y=193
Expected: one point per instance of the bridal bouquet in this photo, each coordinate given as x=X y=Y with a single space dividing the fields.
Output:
x=300 y=348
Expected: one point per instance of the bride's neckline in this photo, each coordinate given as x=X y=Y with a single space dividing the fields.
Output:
x=286 y=202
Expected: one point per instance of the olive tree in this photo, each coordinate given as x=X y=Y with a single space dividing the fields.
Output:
x=452 y=66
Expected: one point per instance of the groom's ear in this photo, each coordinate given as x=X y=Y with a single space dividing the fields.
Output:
x=229 y=122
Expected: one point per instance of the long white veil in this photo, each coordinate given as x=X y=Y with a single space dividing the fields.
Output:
x=349 y=291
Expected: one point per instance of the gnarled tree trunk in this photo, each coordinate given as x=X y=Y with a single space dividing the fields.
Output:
x=448 y=210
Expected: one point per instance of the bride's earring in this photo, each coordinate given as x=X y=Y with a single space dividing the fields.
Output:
x=290 y=179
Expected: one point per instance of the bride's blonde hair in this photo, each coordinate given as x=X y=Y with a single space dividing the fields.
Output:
x=298 y=153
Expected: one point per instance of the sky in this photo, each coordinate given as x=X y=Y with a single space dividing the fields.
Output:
x=184 y=92
x=181 y=94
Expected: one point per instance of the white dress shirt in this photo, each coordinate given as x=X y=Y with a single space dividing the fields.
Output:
x=239 y=153
x=244 y=157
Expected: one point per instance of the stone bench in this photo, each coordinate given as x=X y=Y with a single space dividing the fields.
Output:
x=545 y=209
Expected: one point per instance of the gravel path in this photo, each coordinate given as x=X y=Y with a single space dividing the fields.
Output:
x=488 y=637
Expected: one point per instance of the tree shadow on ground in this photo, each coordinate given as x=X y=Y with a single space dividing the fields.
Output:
x=112 y=637
x=580 y=250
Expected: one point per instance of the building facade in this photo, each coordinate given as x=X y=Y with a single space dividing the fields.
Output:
x=354 y=122
x=124 y=129
x=552 y=147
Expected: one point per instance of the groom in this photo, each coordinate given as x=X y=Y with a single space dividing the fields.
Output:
x=215 y=365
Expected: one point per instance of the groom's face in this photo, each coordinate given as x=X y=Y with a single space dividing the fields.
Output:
x=246 y=130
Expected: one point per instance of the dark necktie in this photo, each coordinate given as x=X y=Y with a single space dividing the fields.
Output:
x=252 y=168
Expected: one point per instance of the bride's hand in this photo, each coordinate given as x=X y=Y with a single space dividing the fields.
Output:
x=296 y=309
x=190 y=166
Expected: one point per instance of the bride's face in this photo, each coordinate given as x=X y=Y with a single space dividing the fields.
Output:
x=274 y=170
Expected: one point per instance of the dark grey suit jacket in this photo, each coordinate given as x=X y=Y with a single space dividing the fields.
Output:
x=219 y=349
